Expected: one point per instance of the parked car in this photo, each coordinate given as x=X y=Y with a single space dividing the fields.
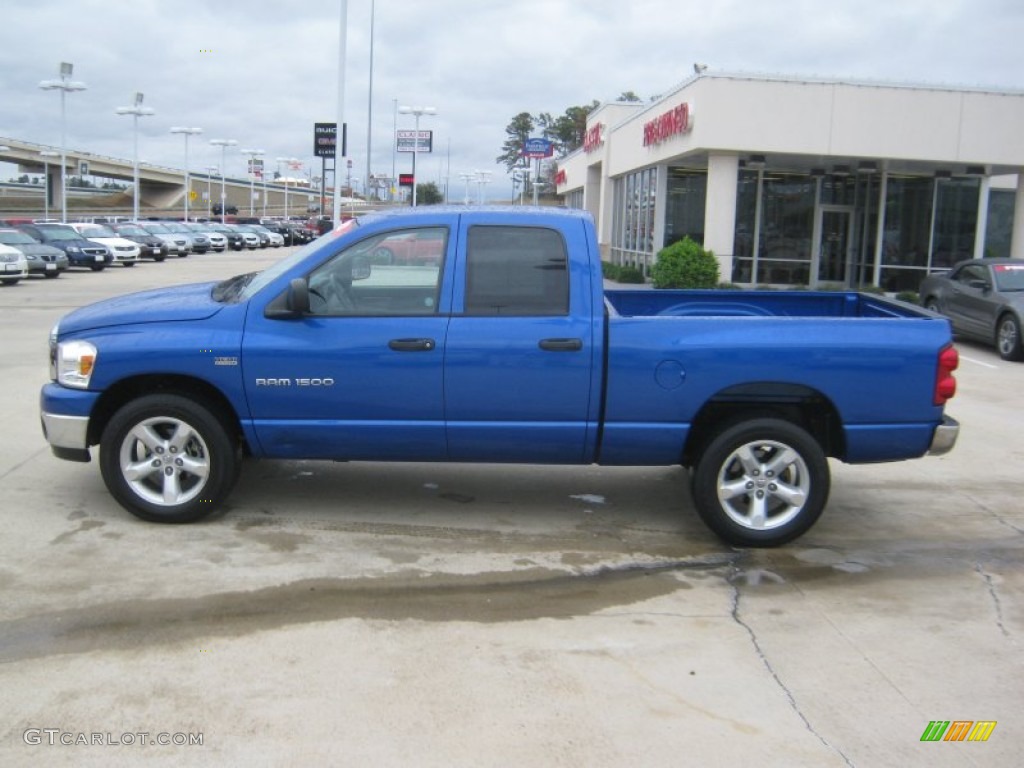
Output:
x=276 y=239
x=13 y=265
x=199 y=242
x=235 y=239
x=282 y=230
x=42 y=259
x=984 y=300
x=177 y=244
x=80 y=252
x=126 y=252
x=218 y=242
x=262 y=235
x=150 y=246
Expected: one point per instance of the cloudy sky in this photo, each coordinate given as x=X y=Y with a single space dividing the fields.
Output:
x=264 y=73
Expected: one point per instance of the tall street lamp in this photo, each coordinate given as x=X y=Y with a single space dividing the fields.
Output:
x=65 y=85
x=253 y=154
x=210 y=170
x=223 y=144
x=136 y=112
x=46 y=154
x=186 y=132
x=418 y=112
x=289 y=161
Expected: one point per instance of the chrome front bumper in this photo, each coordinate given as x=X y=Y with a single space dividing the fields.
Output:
x=67 y=436
x=945 y=436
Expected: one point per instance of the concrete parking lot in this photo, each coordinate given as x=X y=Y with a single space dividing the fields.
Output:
x=423 y=615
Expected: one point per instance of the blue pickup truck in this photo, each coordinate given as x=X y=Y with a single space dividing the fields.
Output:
x=486 y=335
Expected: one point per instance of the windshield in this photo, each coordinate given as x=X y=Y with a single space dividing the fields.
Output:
x=15 y=238
x=175 y=227
x=60 y=233
x=98 y=231
x=1009 y=277
x=155 y=229
x=132 y=230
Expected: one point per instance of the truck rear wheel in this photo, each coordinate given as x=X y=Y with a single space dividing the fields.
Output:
x=168 y=459
x=761 y=482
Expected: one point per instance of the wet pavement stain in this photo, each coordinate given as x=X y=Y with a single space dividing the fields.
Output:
x=526 y=595
x=86 y=525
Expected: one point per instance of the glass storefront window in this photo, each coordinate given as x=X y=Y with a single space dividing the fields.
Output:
x=1000 y=222
x=684 y=211
x=956 y=220
x=633 y=219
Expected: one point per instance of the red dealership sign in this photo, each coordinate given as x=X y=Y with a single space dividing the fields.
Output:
x=669 y=124
x=594 y=137
x=561 y=177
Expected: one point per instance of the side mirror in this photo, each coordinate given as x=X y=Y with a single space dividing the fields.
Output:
x=293 y=303
x=360 y=268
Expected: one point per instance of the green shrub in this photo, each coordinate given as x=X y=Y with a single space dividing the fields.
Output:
x=630 y=275
x=610 y=271
x=729 y=287
x=910 y=297
x=685 y=264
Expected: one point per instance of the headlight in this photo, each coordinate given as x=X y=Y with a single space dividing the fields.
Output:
x=75 y=361
x=73 y=249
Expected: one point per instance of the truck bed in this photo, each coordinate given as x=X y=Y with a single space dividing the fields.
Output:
x=718 y=303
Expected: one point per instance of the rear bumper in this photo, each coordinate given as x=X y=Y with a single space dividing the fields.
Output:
x=945 y=436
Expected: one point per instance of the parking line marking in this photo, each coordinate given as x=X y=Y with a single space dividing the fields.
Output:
x=978 y=362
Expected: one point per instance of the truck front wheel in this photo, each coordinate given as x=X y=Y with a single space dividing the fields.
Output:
x=761 y=482
x=168 y=459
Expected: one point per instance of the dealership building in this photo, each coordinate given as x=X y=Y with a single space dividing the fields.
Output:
x=806 y=181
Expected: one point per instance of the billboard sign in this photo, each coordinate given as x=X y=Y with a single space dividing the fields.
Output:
x=325 y=137
x=413 y=141
x=538 y=148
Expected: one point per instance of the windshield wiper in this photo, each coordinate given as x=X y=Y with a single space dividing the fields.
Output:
x=228 y=290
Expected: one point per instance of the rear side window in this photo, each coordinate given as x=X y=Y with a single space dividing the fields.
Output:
x=516 y=271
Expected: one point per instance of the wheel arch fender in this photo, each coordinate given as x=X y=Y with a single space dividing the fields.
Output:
x=798 y=403
x=193 y=388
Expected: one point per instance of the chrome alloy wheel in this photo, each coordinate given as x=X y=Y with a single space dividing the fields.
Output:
x=1007 y=339
x=763 y=485
x=164 y=461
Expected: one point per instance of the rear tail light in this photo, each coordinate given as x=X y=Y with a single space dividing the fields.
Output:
x=945 y=384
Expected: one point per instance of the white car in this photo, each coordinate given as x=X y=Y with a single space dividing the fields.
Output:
x=125 y=251
x=218 y=242
x=13 y=265
x=276 y=240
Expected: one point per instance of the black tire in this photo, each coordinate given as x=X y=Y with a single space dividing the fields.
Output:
x=128 y=263
x=158 y=259
x=186 y=441
x=775 y=496
x=98 y=267
x=1008 y=340
x=10 y=280
x=52 y=275
x=932 y=305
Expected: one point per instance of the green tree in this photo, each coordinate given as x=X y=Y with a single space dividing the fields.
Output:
x=516 y=132
x=629 y=97
x=428 y=194
x=685 y=264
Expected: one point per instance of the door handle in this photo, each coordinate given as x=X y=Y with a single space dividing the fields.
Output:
x=561 y=345
x=412 y=345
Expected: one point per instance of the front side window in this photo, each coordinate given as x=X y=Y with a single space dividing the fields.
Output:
x=516 y=271
x=394 y=273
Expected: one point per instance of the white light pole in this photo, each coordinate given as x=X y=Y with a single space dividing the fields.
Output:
x=482 y=178
x=186 y=132
x=136 y=112
x=223 y=144
x=288 y=161
x=46 y=154
x=65 y=85
x=210 y=170
x=466 y=177
x=418 y=112
x=253 y=154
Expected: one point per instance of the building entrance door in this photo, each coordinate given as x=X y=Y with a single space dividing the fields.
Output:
x=831 y=259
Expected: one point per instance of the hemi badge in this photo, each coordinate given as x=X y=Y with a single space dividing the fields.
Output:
x=225 y=361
